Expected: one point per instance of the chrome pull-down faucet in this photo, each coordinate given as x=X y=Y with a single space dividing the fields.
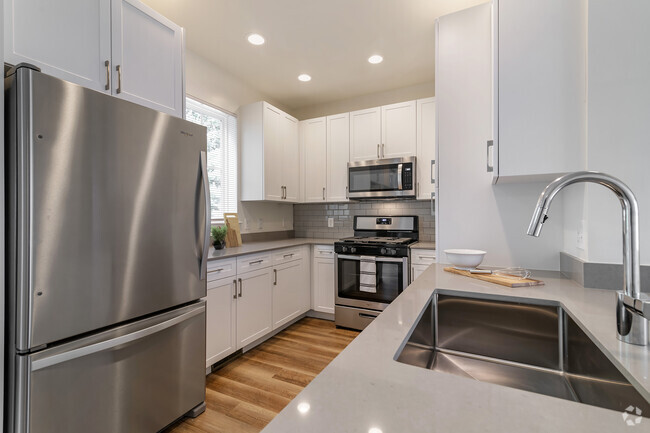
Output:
x=633 y=307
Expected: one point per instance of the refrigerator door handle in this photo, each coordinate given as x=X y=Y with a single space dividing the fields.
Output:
x=113 y=342
x=208 y=215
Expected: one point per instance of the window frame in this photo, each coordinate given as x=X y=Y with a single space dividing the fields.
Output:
x=198 y=105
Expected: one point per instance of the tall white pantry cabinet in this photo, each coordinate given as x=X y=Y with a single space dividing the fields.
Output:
x=120 y=47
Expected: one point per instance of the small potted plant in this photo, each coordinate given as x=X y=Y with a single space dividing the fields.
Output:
x=218 y=237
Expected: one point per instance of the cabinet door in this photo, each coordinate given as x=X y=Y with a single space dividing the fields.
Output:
x=398 y=130
x=273 y=153
x=68 y=39
x=541 y=131
x=365 y=134
x=254 y=300
x=323 y=289
x=417 y=270
x=290 y=164
x=338 y=156
x=221 y=320
x=314 y=145
x=288 y=288
x=426 y=140
x=147 y=57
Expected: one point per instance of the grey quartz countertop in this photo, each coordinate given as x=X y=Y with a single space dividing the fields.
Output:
x=365 y=388
x=424 y=245
x=257 y=247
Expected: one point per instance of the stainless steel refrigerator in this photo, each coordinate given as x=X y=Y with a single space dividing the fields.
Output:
x=108 y=223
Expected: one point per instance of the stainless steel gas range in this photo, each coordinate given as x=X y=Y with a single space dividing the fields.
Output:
x=372 y=268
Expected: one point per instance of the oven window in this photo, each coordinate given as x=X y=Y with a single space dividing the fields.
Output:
x=374 y=178
x=389 y=281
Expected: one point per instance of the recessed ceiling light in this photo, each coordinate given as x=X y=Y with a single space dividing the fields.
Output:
x=304 y=77
x=256 y=39
x=375 y=430
x=375 y=59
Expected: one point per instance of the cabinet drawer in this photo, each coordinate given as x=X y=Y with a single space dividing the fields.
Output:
x=324 y=251
x=252 y=262
x=218 y=269
x=423 y=257
x=288 y=255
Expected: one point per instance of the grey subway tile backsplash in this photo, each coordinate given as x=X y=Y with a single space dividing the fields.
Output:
x=310 y=219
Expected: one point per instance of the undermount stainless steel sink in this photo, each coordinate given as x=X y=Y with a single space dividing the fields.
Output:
x=535 y=347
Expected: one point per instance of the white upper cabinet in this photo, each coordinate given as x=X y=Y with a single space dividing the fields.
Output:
x=120 y=47
x=338 y=156
x=540 y=83
x=426 y=147
x=290 y=164
x=270 y=154
x=147 y=55
x=383 y=132
x=398 y=135
x=365 y=134
x=68 y=39
x=314 y=147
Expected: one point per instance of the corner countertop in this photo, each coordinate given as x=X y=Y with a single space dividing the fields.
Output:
x=423 y=245
x=364 y=387
x=258 y=247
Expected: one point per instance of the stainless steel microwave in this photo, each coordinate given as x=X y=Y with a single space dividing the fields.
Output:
x=382 y=178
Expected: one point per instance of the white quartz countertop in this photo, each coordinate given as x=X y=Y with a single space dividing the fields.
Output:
x=365 y=388
x=257 y=247
x=424 y=245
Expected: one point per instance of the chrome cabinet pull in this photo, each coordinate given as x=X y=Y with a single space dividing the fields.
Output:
x=119 y=78
x=383 y=150
x=240 y=287
x=490 y=156
x=256 y=262
x=218 y=270
x=323 y=193
x=347 y=193
x=234 y=282
x=275 y=277
x=427 y=257
x=288 y=255
x=378 y=151
x=108 y=75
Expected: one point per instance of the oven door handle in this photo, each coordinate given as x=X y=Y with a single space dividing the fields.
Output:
x=377 y=259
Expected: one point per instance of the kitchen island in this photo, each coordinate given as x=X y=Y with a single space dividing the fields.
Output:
x=365 y=390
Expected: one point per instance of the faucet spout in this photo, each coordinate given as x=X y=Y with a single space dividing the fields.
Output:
x=631 y=297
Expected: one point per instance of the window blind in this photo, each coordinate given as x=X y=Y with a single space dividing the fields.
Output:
x=222 y=154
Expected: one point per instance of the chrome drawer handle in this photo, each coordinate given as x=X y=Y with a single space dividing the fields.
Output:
x=256 y=262
x=288 y=255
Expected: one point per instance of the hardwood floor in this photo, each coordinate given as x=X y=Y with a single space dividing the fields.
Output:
x=245 y=395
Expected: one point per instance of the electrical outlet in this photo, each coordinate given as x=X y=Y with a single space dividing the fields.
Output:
x=330 y=222
x=260 y=223
x=580 y=241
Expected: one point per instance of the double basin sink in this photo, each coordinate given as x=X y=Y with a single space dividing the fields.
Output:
x=528 y=346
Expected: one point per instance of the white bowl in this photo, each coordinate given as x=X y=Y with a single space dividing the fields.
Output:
x=465 y=260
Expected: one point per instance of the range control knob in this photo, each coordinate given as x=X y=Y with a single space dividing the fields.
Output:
x=344 y=249
x=393 y=251
x=383 y=250
x=353 y=250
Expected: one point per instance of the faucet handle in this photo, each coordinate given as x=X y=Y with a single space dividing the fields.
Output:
x=640 y=305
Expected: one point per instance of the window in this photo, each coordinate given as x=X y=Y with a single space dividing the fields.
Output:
x=222 y=155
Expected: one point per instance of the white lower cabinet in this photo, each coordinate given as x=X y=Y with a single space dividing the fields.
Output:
x=416 y=271
x=254 y=313
x=221 y=320
x=323 y=286
x=421 y=259
x=289 y=288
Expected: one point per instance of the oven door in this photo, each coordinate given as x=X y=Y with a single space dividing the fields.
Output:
x=382 y=178
x=391 y=279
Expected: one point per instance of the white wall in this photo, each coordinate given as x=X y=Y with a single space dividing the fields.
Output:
x=423 y=90
x=618 y=131
x=211 y=84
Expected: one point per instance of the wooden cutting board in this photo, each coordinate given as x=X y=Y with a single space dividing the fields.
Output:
x=233 y=235
x=497 y=279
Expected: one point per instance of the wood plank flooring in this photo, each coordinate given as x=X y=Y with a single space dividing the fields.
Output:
x=245 y=395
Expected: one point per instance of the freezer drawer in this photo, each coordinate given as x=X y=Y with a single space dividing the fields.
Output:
x=136 y=378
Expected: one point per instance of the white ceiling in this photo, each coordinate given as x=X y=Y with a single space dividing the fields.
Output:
x=330 y=40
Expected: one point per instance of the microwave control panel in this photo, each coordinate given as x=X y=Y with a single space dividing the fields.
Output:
x=407 y=176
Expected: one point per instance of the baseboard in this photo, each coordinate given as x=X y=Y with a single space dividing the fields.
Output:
x=320 y=315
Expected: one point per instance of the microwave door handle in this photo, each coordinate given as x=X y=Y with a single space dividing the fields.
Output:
x=399 y=176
